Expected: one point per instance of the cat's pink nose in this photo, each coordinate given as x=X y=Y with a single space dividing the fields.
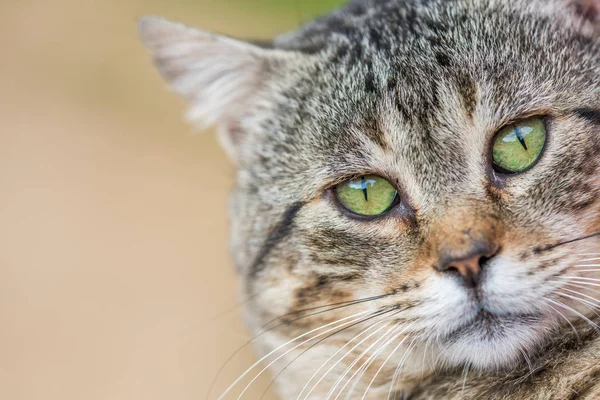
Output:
x=469 y=268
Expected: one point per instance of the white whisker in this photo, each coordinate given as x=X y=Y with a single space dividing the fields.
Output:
x=590 y=259
x=361 y=371
x=292 y=349
x=581 y=283
x=566 y=319
x=400 y=366
x=356 y=360
x=384 y=363
x=586 y=319
x=577 y=298
x=424 y=357
x=582 y=294
x=287 y=343
x=343 y=357
x=527 y=360
x=580 y=287
x=589 y=305
x=579 y=277
x=466 y=373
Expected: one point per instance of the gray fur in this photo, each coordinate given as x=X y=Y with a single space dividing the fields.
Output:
x=413 y=91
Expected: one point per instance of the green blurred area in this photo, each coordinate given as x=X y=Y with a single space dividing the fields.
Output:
x=92 y=49
x=275 y=16
x=303 y=8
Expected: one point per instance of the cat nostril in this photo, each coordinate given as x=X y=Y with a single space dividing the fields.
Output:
x=468 y=268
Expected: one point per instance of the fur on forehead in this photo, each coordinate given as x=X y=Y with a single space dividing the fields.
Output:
x=582 y=16
x=227 y=80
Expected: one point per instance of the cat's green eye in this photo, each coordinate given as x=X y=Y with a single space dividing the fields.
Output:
x=518 y=146
x=368 y=195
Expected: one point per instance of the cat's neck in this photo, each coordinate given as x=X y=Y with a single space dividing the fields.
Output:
x=567 y=367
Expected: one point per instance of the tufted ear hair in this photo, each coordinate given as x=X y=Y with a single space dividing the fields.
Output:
x=219 y=76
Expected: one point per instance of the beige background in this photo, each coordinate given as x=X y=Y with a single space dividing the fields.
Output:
x=113 y=227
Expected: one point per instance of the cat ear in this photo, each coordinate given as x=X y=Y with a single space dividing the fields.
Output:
x=219 y=76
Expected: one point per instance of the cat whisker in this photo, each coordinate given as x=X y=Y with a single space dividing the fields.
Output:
x=590 y=259
x=527 y=360
x=465 y=374
x=579 y=278
x=566 y=319
x=363 y=368
x=593 y=306
x=377 y=314
x=580 y=287
x=579 y=239
x=231 y=309
x=383 y=365
x=424 y=357
x=586 y=319
x=400 y=366
x=582 y=294
x=346 y=325
x=585 y=283
x=334 y=306
x=373 y=358
x=340 y=360
x=443 y=351
x=434 y=364
x=356 y=360
x=590 y=305
x=289 y=342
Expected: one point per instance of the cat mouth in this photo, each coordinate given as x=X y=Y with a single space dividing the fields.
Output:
x=488 y=326
x=492 y=341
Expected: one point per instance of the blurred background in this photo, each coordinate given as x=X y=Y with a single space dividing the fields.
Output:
x=113 y=219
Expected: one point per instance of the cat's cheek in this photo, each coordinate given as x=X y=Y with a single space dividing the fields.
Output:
x=509 y=288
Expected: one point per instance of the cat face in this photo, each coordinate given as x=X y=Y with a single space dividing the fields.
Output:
x=476 y=264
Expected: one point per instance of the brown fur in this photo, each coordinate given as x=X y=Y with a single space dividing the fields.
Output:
x=413 y=91
x=567 y=369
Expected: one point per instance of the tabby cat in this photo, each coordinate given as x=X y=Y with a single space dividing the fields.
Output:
x=417 y=209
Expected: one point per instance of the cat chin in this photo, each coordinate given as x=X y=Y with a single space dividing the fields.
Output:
x=492 y=343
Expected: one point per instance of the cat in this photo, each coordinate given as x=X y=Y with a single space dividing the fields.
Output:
x=417 y=213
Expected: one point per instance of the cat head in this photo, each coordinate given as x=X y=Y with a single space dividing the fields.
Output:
x=431 y=163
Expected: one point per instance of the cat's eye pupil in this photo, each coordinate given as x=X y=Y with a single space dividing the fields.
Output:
x=520 y=137
x=517 y=147
x=368 y=195
x=364 y=188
